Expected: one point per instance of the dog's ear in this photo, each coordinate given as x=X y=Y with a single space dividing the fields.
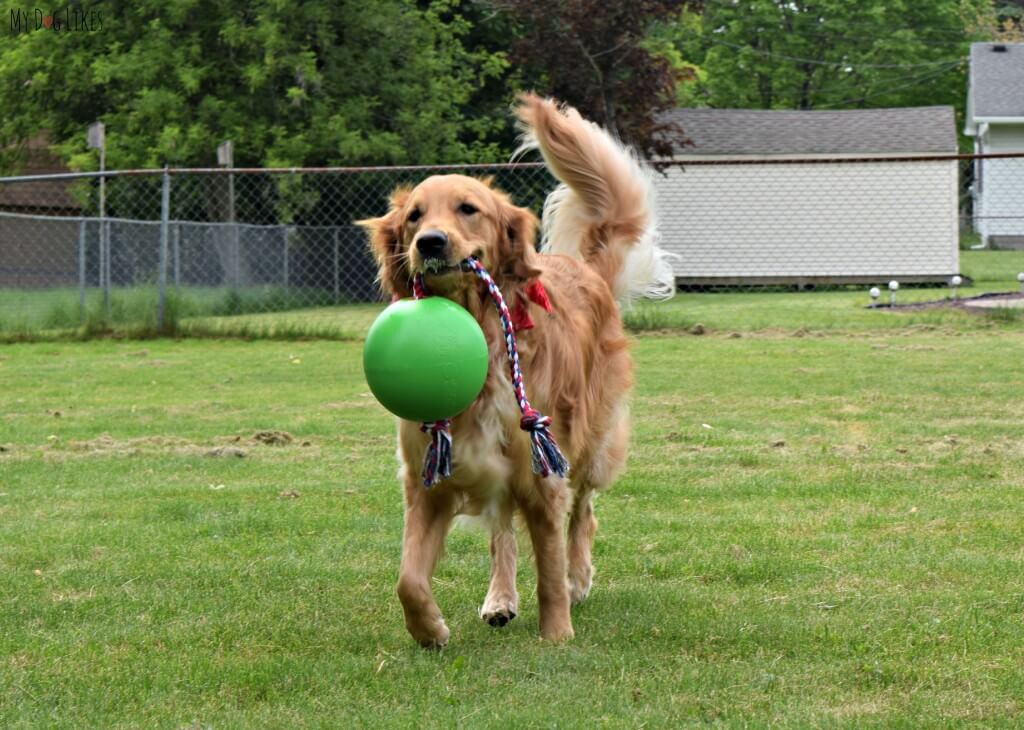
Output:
x=386 y=245
x=516 y=242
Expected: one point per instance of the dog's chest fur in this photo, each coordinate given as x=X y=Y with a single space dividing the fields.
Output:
x=491 y=454
x=485 y=440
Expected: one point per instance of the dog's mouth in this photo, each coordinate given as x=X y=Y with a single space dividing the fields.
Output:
x=441 y=267
x=438 y=267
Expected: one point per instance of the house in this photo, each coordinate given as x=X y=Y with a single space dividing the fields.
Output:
x=45 y=197
x=995 y=118
x=795 y=197
x=39 y=233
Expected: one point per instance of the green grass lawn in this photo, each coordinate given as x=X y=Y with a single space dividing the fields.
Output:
x=275 y=313
x=813 y=530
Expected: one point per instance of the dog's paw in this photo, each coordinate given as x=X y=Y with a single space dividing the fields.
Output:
x=499 y=611
x=580 y=582
x=433 y=637
x=557 y=632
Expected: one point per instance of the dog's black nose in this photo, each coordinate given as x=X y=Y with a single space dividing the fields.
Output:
x=432 y=244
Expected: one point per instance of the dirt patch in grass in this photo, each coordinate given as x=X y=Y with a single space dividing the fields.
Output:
x=273 y=438
x=227 y=452
x=106 y=445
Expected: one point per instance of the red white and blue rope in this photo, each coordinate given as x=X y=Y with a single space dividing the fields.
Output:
x=546 y=456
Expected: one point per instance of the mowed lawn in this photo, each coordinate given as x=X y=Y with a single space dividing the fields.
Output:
x=816 y=528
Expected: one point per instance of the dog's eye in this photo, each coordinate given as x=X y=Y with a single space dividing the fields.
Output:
x=415 y=215
x=467 y=209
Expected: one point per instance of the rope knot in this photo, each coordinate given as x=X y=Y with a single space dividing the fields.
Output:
x=534 y=420
x=544 y=452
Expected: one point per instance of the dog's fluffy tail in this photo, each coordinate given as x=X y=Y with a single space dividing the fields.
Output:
x=603 y=210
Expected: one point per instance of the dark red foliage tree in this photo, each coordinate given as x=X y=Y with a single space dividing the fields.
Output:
x=590 y=53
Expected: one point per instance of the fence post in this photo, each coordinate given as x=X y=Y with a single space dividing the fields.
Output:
x=337 y=283
x=165 y=215
x=104 y=237
x=236 y=254
x=81 y=271
x=177 y=255
x=285 y=230
x=104 y=269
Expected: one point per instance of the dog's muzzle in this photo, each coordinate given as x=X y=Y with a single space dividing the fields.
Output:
x=432 y=245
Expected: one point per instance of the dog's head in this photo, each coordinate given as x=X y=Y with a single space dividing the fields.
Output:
x=434 y=226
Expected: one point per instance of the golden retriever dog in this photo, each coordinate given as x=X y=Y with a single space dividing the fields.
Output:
x=598 y=251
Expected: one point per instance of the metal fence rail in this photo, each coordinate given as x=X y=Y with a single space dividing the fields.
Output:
x=215 y=243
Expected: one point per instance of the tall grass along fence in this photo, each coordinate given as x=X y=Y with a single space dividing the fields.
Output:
x=223 y=248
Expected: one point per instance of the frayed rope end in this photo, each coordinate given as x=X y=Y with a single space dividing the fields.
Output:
x=437 y=462
x=547 y=457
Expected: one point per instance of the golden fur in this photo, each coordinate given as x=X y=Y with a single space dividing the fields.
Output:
x=575 y=363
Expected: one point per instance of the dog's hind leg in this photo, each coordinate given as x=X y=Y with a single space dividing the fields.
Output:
x=582 y=527
x=599 y=474
x=427 y=519
x=502 y=602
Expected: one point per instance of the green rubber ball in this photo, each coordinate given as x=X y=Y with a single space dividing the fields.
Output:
x=425 y=359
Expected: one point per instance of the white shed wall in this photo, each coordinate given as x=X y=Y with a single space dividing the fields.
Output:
x=885 y=219
x=1000 y=206
x=1005 y=138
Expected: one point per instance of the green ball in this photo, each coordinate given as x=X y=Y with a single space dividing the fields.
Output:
x=425 y=359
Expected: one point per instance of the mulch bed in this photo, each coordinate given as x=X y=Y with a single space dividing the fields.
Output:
x=977 y=304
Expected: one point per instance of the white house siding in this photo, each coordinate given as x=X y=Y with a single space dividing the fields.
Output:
x=1000 y=204
x=786 y=221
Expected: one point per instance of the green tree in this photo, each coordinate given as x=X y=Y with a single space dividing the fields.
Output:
x=292 y=83
x=832 y=54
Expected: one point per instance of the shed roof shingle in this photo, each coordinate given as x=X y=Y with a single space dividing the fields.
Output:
x=997 y=79
x=928 y=129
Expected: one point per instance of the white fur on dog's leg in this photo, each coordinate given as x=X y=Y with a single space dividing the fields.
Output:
x=581 y=579
x=502 y=602
x=582 y=528
x=498 y=610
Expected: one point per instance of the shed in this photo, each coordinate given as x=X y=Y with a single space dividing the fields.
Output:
x=995 y=118
x=795 y=197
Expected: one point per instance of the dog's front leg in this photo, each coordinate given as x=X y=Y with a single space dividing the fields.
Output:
x=545 y=518
x=427 y=518
x=502 y=602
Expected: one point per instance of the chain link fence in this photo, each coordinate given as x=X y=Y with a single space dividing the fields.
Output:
x=245 y=247
x=206 y=244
